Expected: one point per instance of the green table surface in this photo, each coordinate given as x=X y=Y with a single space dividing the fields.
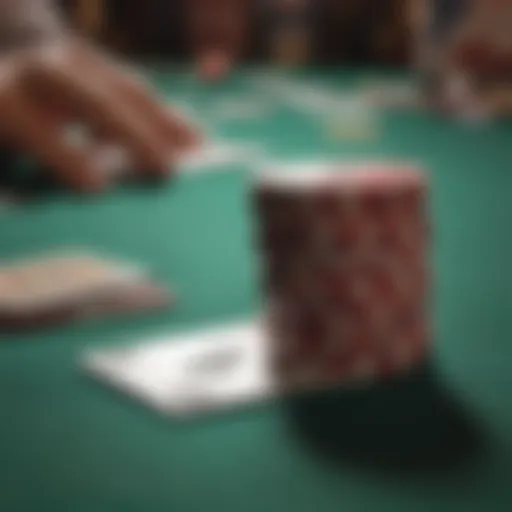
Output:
x=67 y=444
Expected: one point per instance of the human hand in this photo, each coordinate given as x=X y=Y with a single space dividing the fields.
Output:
x=46 y=90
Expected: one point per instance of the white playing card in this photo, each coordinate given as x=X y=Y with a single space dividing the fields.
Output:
x=193 y=373
x=233 y=109
x=216 y=155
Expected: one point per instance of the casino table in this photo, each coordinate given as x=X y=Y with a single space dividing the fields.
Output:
x=69 y=444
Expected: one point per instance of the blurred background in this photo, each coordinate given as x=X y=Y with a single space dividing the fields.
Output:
x=446 y=430
x=285 y=31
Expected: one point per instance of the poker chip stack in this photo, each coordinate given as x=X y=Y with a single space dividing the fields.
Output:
x=345 y=271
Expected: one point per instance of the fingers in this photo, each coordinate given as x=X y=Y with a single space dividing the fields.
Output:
x=170 y=126
x=36 y=133
x=87 y=93
x=74 y=83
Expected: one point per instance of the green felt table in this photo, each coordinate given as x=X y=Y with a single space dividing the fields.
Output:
x=69 y=445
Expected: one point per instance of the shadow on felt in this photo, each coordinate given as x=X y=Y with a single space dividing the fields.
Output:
x=410 y=423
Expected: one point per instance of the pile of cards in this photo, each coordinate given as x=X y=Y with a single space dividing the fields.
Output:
x=73 y=284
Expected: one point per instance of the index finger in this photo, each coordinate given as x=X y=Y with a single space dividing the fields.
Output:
x=172 y=126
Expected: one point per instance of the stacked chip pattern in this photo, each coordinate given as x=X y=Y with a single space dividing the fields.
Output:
x=345 y=272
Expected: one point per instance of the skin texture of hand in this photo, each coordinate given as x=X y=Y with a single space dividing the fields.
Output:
x=45 y=90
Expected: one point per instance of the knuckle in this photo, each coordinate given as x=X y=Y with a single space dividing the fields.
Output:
x=139 y=85
x=46 y=61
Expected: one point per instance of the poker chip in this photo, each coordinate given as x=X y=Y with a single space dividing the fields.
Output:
x=344 y=266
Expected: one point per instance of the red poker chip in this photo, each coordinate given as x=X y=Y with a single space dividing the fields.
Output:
x=375 y=205
x=345 y=353
x=383 y=284
x=409 y=347
x=413 y=203
x=347 y=235
x=339 y=368
x=327 y=206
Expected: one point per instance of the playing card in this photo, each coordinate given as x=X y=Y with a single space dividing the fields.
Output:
x=352 y=118
x=234 y=109
x=216 y=154
x=53 y=288
x=192 y=373
x=391 y=94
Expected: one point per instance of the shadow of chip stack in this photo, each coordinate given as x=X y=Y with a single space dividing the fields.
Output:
x=345 y=271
